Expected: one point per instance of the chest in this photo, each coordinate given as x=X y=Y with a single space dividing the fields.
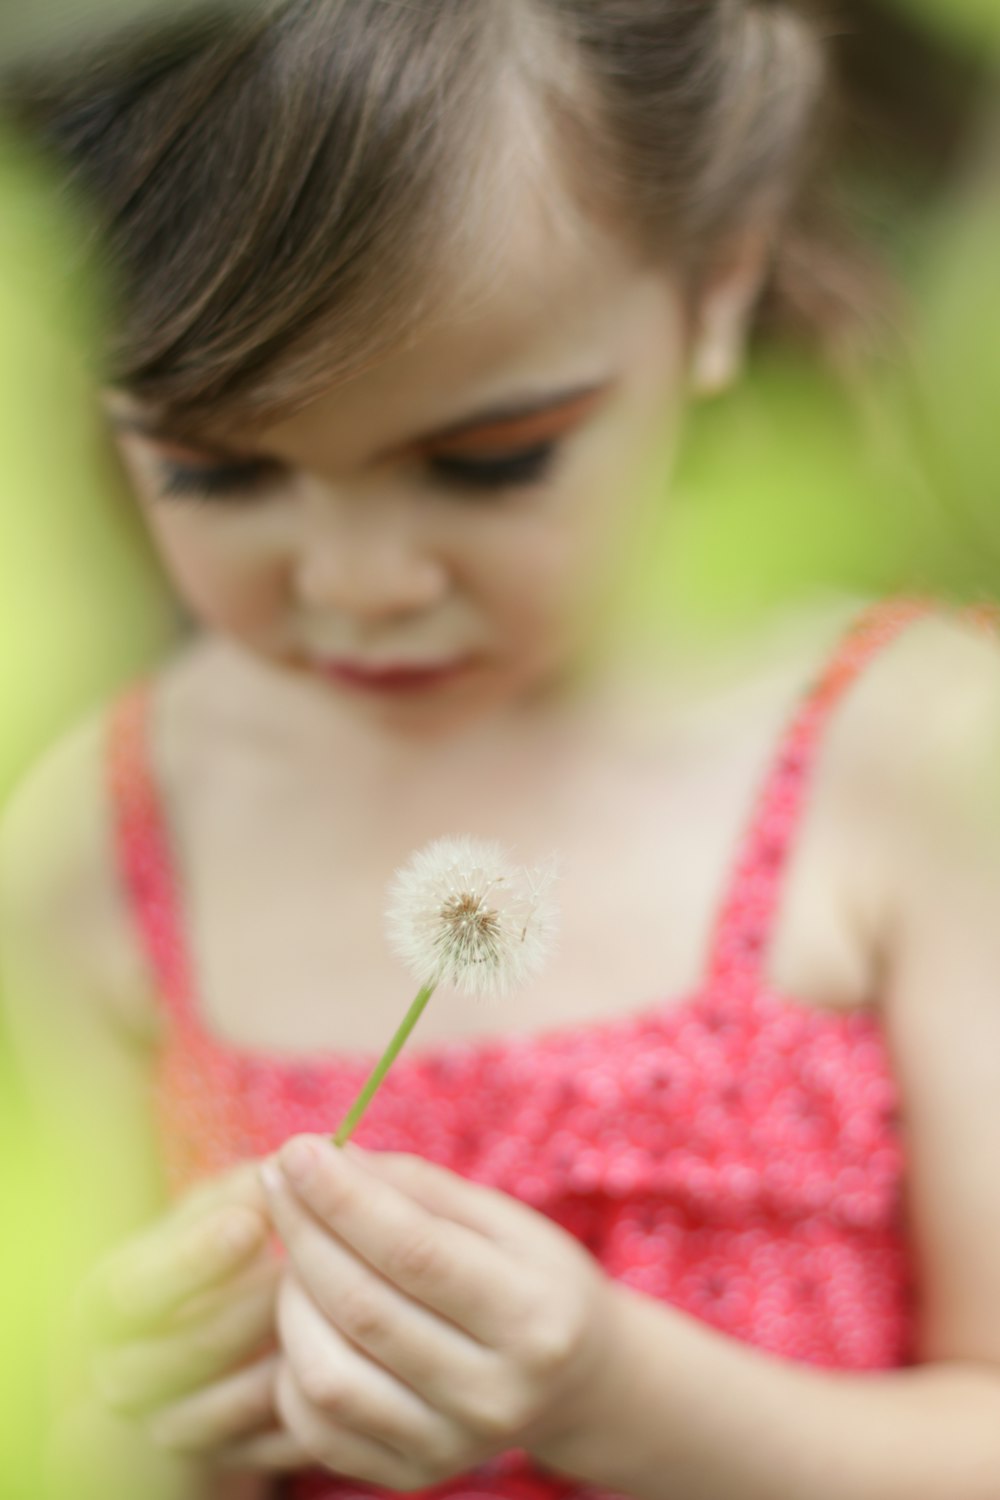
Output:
x=285 y=890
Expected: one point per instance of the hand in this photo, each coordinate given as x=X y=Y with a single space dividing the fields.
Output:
x=427 y=1323
x=181 y=1326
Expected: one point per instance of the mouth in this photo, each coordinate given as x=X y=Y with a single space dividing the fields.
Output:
x=394 y=677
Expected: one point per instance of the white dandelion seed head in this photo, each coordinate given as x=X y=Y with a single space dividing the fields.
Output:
x=460 y=913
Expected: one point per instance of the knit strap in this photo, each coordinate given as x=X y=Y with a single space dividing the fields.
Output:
x=142 y=846
x=748 y=914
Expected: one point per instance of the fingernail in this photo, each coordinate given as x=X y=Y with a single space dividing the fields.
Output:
x=270 y=1176
x=299 y=1160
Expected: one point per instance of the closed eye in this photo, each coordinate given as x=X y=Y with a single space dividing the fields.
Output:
x=508 y=471
x=253 y=478
x=216 y=481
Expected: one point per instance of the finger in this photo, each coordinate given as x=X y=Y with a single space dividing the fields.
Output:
x=444 y=1266
x=234 y=1409
x=238 y=1188
x=345 y=1386
x=136 y=1377
x=346 y=1453
x=271 y=1452
x=428 y=1354
x=142 y=1284
x=264 y=1271
x=492 y=1214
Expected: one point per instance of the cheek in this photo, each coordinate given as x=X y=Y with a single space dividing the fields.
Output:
x=538 y=573
x=223 y=579
x=552 y=570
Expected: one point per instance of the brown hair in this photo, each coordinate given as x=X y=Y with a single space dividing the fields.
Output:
x=281 y=185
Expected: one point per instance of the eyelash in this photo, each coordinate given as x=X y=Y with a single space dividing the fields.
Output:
x=487 y=475
x=512 y=471
x=181 y=482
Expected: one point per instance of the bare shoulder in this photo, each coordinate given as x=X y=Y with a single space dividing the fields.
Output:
x=925 y=726
x=958 y=656
x=907 y=771
x=62 y=912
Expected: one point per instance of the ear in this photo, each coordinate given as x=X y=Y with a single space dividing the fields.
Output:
x=722 y=323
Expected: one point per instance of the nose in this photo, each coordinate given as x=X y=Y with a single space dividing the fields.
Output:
x=364 y=558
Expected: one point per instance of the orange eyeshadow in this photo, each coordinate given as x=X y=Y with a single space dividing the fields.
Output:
x=513 y=433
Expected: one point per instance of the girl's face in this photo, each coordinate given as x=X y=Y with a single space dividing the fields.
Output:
x=431 y=540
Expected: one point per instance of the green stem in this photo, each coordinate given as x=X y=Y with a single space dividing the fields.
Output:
x=382 y=1067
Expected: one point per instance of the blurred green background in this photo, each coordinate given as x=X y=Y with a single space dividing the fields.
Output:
x=786 y=486
x=81 y=608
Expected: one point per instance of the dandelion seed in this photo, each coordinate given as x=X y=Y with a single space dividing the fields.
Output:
x=460 y=913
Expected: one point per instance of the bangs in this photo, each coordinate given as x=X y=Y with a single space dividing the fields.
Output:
x=282 y=190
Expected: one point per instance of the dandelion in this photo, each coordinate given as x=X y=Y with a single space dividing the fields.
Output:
x=461 y=914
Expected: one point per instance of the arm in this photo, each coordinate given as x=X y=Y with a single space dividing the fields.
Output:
x=688 y=1413
x=694 y=1414
x=74 y=996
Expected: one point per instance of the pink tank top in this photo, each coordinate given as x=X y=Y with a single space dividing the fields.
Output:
x=732 y=1152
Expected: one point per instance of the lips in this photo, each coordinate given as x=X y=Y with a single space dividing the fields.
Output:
x=394 y=677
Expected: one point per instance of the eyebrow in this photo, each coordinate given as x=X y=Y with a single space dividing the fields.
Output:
x=500 y=420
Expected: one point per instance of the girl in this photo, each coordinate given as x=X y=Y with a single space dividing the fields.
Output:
x=413 y=295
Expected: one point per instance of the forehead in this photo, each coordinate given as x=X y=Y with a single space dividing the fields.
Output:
x=538 y=294
x=555 y=304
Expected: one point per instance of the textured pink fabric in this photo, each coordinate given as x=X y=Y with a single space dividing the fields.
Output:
x=732 y=1152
